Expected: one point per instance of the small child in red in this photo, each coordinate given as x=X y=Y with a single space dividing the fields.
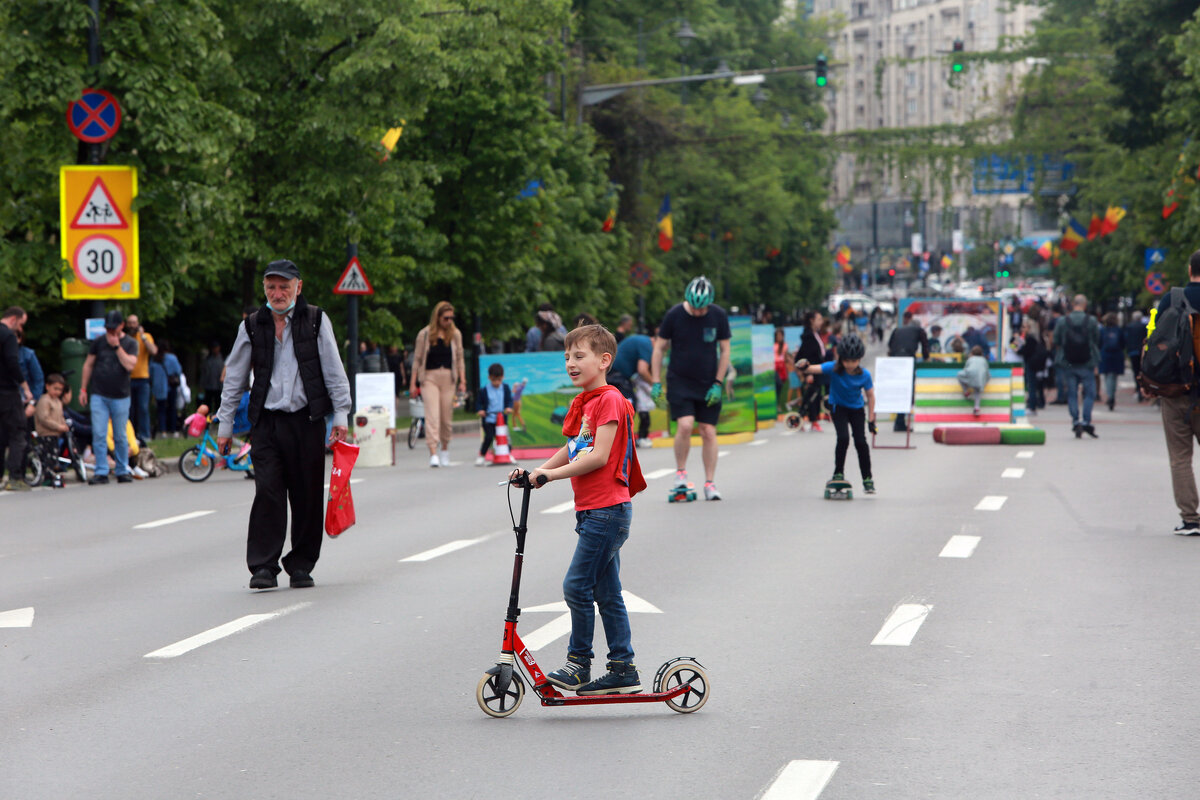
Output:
x=602 y=463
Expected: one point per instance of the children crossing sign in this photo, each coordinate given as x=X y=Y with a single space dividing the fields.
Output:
x=353 y=280
x=99 y=232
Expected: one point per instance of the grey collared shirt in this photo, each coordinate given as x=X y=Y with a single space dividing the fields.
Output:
x=286 y=392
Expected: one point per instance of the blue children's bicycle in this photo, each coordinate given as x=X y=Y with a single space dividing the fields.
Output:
x=198 y=462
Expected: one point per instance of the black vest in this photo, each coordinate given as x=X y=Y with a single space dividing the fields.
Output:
x=306 y=322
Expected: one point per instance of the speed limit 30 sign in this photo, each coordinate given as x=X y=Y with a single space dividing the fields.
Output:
x=100 y=232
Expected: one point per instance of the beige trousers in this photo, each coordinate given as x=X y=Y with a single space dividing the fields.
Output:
x=1182 y=427
x=437 y=387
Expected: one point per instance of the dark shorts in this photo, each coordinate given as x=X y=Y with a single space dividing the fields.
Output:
x=694 y=407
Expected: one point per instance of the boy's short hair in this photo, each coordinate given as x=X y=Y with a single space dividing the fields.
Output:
x=936 y=329
x=495 y=371
x=976 y=350
x=54 y=378
x=596 y=337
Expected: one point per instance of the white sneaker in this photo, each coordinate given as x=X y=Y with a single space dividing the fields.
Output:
x=710 y=491
x=681 y=478
x=433 y=461
x=445 y=458
x=644 y=442
x=480 y=461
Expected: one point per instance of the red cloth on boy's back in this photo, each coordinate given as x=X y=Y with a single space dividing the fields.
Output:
x=621 y=478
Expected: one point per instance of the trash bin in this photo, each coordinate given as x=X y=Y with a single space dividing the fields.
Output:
x=73 y=353
x=372 y=434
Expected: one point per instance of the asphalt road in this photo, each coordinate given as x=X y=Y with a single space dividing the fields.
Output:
x=1052 y=655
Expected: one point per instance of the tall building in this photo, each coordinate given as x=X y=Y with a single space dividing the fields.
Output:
x=896 y=72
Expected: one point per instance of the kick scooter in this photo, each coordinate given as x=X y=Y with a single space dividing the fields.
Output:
x=681 y=683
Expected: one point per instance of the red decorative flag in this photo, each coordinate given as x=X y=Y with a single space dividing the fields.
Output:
x=1094 y=227
x=339 y=513
x=1112 y=218
x=1169 y=209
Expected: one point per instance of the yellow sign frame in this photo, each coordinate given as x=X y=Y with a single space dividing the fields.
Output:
x=75 y=184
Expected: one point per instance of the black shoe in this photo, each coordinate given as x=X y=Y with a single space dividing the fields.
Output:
x=126 y=478
x=301 y=580
x=1187 y=529
x=1112 y=404
x=621 y=678
x=1090 y=431
x=263 y=579
x=97 y=479
x=1078 y=430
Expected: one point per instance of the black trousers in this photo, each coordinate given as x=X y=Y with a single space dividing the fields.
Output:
x=289 y=469
x=848 y=421
x=14 y=430
x=489 y=433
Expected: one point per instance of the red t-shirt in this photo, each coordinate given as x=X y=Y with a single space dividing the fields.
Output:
x=601 y=487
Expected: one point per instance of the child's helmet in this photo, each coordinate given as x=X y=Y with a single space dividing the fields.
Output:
x=851 y=348
x=699 y=292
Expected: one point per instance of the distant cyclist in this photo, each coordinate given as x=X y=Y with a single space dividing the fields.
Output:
x=697 y=333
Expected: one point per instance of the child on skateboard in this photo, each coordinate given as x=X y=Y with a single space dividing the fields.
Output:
x=601 y=460
x=849 y=382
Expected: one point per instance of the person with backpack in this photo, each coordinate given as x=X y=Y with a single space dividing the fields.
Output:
x=1112 y=356
x=1076 y=355
x=1168 y=372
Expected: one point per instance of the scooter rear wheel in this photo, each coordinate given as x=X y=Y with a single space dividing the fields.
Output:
x=677 y=674
x=496 y=703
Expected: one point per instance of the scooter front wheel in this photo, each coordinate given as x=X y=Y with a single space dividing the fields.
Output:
x=496 y=703
x=677 y=673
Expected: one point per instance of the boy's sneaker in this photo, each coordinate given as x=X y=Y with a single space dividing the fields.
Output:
x=621 y=678
x=868 y=485
x=1187 y=529
x=837 y=476
x=572 y=675
x=816 y=426
x=681 y=478
x=710 y=491
x=480 y=461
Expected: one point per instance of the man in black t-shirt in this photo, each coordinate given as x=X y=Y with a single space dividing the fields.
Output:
x=106 y=370
x=14 y=395
x=697 y=333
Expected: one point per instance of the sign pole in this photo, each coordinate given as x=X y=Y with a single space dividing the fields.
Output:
x=352 y=332
x=93 y=149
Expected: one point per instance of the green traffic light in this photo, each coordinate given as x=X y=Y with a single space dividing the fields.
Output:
x=821 y=80
x=957 y=67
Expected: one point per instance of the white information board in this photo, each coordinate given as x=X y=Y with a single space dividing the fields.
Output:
x=376 y=389
x=893 y=379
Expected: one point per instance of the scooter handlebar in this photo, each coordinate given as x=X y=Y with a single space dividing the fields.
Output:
x=522 y=480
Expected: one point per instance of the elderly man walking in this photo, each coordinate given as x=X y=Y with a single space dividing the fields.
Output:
x=299 y=380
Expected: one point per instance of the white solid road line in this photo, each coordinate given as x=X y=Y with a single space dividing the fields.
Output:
x=902 y=624
x=17 y=618
x=449 y=547
x=1013 y=472
x=219 y=632
x=560 y=508
x=959 y=547
x=659 y=473
x=1024 y=454
x=168 y=520
x=801 y=780
x=992 y=502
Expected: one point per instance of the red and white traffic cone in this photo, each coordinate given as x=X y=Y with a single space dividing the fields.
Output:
x=500 y=451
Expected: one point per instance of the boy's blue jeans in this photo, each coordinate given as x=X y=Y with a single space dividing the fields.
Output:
x=595 y=576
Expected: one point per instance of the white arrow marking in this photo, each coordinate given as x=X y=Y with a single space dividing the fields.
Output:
x=561 y=626
x=169 y=520
x=219 y=632
x=902 y=624
x=17 y=618
x=801 y=780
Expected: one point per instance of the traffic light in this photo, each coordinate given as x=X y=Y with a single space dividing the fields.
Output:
x=956 y=62
x=822 y=71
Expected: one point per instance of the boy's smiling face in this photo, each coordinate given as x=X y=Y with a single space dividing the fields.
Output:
x=586 y=368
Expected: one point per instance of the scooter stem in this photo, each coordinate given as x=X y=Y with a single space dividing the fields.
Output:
x=519 y=558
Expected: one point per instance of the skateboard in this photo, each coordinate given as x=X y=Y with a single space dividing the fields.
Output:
x=680 y=494
x=838 y=490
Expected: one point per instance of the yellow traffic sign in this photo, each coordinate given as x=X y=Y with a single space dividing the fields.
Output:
x=99 y=232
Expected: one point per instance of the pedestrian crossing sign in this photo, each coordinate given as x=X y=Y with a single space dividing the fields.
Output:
x=353 y=280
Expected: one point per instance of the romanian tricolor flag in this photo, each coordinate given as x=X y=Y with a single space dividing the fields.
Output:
x=1045 y=250
x=1112 y=218
x=1073 y=235
x=1094 y=227
x=947 y=262
x=666 y=232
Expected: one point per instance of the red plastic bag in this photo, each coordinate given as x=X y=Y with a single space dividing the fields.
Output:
x=339 y=514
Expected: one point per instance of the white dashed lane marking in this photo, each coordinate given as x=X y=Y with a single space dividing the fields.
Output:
x=220 y=632
x=959 y=547
x=1024 y=454
x=449 y=547
x=560 y=508
x=902 y=624
x=659 y=473
x=169 y=520
x=17 y=618
x=1013 y=472
x=992 y=502
x=801 y=780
